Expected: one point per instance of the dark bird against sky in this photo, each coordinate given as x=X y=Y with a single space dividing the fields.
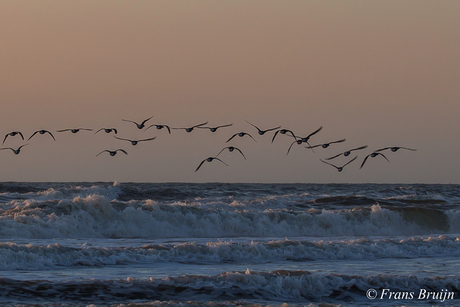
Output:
x=107 y=130
x=16 y=151
x=262 y=132
x=13 y=133
x=190 y=129
x=340 y=168
x=240 y=134
x=210 y=159
x=231 y=149
x=159 y=127
x=373 y=155
x=113 y=152
x=346 y=153
x=135 y=142
x=139 y=126
x=214 y=129
x=42 y=132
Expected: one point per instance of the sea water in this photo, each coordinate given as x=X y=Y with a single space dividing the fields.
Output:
x=215 y=244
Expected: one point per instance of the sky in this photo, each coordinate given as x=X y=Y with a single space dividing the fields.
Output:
x=378 y=73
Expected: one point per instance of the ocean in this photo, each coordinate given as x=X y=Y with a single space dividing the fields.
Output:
x=217 y=244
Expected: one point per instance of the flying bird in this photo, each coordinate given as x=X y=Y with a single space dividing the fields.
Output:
x=283 y=131
x=395 y=149
x=262 y=132
x=325 y=145
x=301 y=140
x=231 y=149
x=74 y=130
x=240 y=134
x=340 y=168
x=307 y=138
x=139 y=126
x=373 y=155
x=16 y=151
x=347 y=153
x=42 y=132
x=112 y=152
x=210 y=159
x=214 y=129
x=107 y=130
x=134 y=142
x=296 y=141
x=190 y=129
x=13 y=133
x=159 y=127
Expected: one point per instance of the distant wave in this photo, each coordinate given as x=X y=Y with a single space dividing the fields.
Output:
x=95 y=216
x=39 y=257
x=280 y=286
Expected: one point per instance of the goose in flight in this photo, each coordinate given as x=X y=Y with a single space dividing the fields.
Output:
x=190 y=129
x=214 y=129
x=373 y=155
x=135 y=142
x=112 y=152
x=42 y=132
x=16 y=151
x=107 y=130
x=210 y=159
x=240 y=134
x=262 y=132
x=301 y=140
x=395 y=149
x=346 y=153
x=13 y=133
x=325 y=145
x=159 y=127
x=231 y=149
x=340 y=168
x=283 y=131
x=139 y=126
x=307 y=138
x=74 y=130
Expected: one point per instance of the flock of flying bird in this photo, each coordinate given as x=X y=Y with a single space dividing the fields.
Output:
x=279 y=131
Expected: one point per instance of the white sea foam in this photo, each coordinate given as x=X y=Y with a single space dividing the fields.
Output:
x=96 y=216
x=37 y=257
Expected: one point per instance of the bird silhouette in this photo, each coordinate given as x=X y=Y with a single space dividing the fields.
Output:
x=190 y=129
x=395 y=149
x=214 y=129
x=135 y=142
x=307 y=138
x=283 y=131
x=74 y=130
x=346 y=153
x=159 y=127
x=42 y=132
x=16 y=151
x=340 y=168
x=107 y=130
x=300 y=140
x=240 y=134
x=13 y=133
x=325 y=145
x=262 y=132
x=210 y=159
x=113 y=152
x=139 y=126
x=231 y=149
x=373 y=155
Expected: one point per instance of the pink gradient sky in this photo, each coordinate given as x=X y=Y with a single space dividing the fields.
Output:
x=378 y=73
